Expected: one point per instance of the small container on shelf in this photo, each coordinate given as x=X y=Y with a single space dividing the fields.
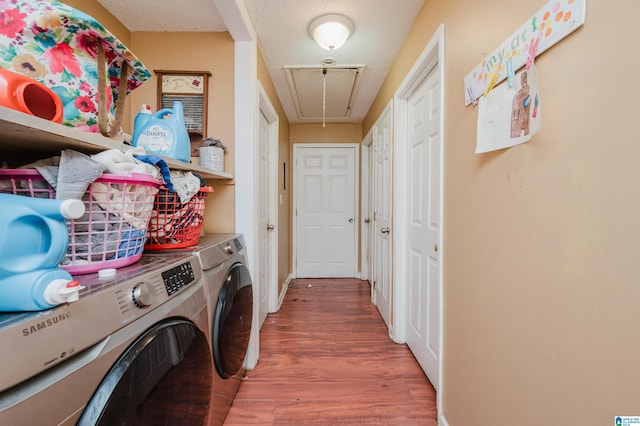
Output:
x=212 y=154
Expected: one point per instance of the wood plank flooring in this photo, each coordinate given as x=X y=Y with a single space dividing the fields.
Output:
x=326 y=359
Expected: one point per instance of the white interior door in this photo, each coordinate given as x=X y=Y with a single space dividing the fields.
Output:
x=365 y=206
x=424 y=224
x=325 y=193
x=265 y=227
x=371 y=210
x=382 y=215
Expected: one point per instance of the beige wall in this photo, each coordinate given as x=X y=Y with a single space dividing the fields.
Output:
x=284 y=182
x=331 y=133
x=542 y=301
x=212 y=52
x=185 y=51
x=197 y=51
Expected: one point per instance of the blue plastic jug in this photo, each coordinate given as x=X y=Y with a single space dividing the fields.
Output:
x=163 y=133
x=33 y=240
x=38 y=290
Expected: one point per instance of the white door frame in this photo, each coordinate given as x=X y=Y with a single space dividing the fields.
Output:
x=246 y=139
x=245 y=89
x=266 y=108
x=356 y=172
x=433 y=53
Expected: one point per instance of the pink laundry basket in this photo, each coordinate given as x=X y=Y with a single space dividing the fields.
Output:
x=113 y=230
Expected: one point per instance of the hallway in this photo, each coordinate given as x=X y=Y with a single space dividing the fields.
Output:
x=326 y=359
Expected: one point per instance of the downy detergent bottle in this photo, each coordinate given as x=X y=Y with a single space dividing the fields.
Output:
x=33 y=240
x=163 y=133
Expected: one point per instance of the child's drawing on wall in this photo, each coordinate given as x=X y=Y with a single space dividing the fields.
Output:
x=509 y=116
x=520 y=108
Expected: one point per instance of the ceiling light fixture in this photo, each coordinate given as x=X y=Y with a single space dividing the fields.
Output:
x=330 y=31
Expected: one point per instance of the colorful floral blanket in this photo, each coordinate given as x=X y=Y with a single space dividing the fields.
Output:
x=56 y=45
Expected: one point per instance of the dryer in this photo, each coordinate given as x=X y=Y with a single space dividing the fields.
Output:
x=230 y=302
x=133 y=350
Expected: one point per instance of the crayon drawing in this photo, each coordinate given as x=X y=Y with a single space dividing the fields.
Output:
x=509 y=116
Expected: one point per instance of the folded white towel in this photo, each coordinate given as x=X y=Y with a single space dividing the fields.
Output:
x=123 y=163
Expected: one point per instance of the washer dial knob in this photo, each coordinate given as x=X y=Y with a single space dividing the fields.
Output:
x=143 y=295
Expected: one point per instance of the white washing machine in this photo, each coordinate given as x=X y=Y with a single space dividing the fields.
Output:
x=133 y=350
x=229 y=293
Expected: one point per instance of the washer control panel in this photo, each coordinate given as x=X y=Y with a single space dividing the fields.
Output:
x=178 y=277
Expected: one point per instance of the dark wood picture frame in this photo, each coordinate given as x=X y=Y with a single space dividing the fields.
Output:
x=192 y=89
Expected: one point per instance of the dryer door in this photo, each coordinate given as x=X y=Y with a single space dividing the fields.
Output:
x=164 y=377
x=232 y=321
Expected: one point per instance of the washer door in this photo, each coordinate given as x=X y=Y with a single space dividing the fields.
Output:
x=232 y=321
x=164 y=377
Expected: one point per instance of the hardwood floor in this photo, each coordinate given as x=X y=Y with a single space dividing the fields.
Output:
x=326 y=359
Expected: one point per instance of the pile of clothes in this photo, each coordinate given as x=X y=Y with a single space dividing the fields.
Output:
x=119 y=192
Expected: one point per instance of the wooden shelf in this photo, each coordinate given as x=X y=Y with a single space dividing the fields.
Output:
x=23 y=133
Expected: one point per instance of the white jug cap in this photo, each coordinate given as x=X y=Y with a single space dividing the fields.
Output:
x=72 y=209
x=107 y=273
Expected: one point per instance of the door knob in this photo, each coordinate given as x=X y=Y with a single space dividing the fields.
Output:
x=270 y=227
x=350 y=220
x=366 y=220
x=435 y=247
x=385 y=230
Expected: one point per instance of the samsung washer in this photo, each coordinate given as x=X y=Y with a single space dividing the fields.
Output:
x=229 y=293
x=133 y=350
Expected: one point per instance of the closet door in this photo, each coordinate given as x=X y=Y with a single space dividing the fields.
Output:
x=424 y=225
x=383 y=215
x=325 y=211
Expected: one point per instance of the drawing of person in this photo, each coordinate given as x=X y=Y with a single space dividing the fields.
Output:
x=520 y=108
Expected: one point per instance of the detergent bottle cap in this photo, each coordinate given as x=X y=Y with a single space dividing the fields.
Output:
x=72 y=209
x=107 y=273
x=62 y=291
x=145 y=109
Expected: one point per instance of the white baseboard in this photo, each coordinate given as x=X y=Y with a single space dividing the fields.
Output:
x=283 y=292
x=442 y=421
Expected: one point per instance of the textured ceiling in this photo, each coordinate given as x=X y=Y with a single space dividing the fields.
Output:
x=166 y=15
x=380 y=27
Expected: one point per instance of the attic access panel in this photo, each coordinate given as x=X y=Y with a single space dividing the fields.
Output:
x=306 y=84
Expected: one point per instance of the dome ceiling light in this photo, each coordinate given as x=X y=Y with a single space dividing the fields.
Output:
x=330 y=31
